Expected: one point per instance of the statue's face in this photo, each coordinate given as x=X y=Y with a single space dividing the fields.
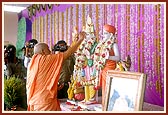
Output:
x=106 y=35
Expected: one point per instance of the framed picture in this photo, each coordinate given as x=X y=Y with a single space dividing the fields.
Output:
x=124 y=91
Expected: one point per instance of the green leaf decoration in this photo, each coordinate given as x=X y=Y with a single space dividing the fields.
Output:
x=21 y=37
x=13 y=88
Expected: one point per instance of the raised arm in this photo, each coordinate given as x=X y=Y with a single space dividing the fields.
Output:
x=75 y=46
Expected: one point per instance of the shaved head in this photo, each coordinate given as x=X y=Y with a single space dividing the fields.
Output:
x=41 y=48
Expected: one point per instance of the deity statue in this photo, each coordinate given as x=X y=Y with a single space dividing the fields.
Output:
x=106 y=56
x=75 y=90
x=127 y=63
x=84 y=61
x=124 y=65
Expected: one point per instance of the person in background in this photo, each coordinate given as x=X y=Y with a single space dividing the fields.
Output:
x=29 y=51
x=14 y=66
x=24 y=52
x=67 y=69
x=43 y=74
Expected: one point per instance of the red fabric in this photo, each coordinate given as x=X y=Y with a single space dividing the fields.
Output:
x=110 y=65
x=109 y=28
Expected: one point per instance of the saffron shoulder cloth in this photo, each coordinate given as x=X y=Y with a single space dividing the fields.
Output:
x=42 y=78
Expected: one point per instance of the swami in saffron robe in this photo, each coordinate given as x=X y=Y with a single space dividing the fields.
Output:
x=42 y=82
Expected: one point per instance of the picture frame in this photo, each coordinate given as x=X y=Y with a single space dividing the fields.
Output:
x=124 y=91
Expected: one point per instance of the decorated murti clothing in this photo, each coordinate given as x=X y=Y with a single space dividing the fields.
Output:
x=110 y=65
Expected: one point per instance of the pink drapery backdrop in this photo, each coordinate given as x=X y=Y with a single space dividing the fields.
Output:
x=140 y=31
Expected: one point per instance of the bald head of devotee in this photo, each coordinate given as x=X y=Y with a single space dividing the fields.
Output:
x=42 y=48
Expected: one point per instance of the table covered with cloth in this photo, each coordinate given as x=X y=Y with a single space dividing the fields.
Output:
x=67 y=106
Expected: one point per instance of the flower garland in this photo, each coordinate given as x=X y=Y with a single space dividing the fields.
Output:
x=80 y=54
x=102 y=50
x=84 y=51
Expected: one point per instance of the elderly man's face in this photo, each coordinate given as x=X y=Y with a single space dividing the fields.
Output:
x=106 y=34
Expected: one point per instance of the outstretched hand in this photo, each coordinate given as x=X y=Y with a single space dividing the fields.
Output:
x=82 y=35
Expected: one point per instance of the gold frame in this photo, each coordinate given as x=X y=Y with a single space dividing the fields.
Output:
x=133 y=78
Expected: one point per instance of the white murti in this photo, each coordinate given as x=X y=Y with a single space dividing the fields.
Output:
x=84 y=62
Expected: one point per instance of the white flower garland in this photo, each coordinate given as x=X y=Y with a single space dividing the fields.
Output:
x=81 y=52
x=101 y=51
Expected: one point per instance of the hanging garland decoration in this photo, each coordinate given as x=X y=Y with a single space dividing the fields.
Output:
x=38 y=7
x=71 y=22
x=158 y=50
x=52 y=28
x=100 y=52
x=97 y=22
x=83 y=14
x=34 y=10
x=62 y=24
x=30 y=12
x=77 y=13
x=85 y=45
x=34 y=29
x=50 y=6
x=66 y=26
x=55 y=27
x=57 y=5
x=49 y=30
x=139 y=62
x=155 y=46
x=142 y=53
x=58 y=22
x=44 y=7
x=88 y=45
x=41 y=28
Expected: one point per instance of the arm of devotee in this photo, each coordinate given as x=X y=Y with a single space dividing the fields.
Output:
x=74 y=47
x=116 y=53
